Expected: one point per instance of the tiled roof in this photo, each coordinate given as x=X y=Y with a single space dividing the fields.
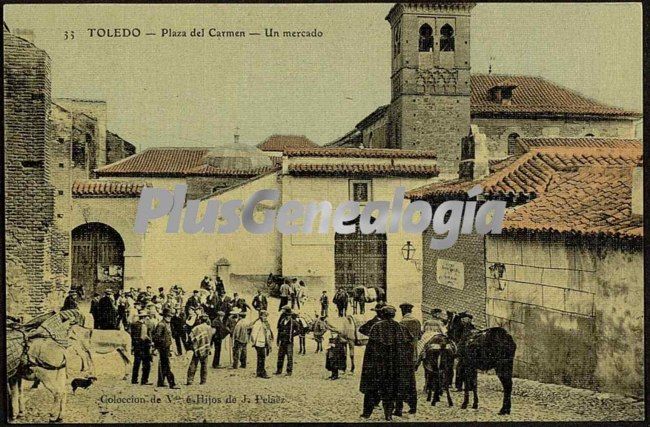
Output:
x=363 y=169
x=360 y=153
x=498 y=164
x=528 y=143
x=209 y=170
x=531 y=173
x=97 y=188
x=280 y=142
x=157 y=162
x=174 y=162
x=592 y=201
x=538 y=96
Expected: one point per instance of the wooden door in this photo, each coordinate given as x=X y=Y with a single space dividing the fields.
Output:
x=97 y=258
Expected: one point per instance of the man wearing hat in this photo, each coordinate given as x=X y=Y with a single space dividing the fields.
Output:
x=387 y=353
x=201 y=338
x=414 y=328
x=240 y=337
x=220 y=332
x=262 y=339
x=141 y=344
x=162 y=339
x=437 y=323
x=70 y=302
x=288 y=329
x=366 y=327
x=106 y=312
x=193 y=302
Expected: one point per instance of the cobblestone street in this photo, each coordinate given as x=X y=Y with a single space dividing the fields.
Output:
x=236 y=395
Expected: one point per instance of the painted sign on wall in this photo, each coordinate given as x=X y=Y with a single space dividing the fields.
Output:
x=450 y=273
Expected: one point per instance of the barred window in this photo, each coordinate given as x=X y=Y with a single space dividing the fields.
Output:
x=447 y=39
x=426 y=38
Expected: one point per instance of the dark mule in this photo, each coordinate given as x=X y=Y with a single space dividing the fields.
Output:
x=438 y=360
x=486 y=349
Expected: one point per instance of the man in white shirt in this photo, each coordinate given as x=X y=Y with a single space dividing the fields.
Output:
x=262 y=338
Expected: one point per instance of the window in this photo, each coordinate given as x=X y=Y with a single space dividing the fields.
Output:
x=360 y=191
x=589 y=135
x=79 y=154
x=426 y=38
x=447 y=39
x=512 y=143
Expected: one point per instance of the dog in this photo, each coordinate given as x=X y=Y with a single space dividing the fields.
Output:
x=82 y=383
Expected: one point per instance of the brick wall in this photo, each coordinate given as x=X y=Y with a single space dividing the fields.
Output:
x=575 y=309
x=468 y=250
x=29 y=194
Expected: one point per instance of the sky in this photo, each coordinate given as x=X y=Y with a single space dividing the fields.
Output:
x=196 y=91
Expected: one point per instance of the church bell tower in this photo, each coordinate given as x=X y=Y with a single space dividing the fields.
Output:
x=430 y=79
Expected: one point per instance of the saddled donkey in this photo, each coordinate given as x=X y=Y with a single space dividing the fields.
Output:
x=105 y=341
x=362 y=295
x=492 y=348
x=36 y=351
x=437 y=352
x=347 y=328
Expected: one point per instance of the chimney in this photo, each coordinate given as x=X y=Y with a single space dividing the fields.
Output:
x=474 y=156
x=25 y=33
x=637 y=191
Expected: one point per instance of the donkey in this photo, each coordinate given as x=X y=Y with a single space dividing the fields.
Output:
x=492 y=348
x=438 y=360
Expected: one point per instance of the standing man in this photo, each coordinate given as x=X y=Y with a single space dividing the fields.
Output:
x=205 y=283
x=262 y=339
x=366 y=327
x=178 y=331
x=288 y=329
x=414 y=328
x=382 y=376
x=193 y=302
x=259 y=301
x=70 y=302
x=220 y=332
x=324 y=304
x=141 y=345
x=239 y=339
x=221 y=289
x=295 y=293
x=201 y=337
x=341 y=301
x=285 y=292
x=106 y=312
x=162 y=338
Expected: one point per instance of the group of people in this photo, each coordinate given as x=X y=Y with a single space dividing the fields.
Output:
x=391 y=357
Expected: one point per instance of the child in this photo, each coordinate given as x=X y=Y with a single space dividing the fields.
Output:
x=335 y=359
x=324 y=302
x=319 y=330
x=331 y=360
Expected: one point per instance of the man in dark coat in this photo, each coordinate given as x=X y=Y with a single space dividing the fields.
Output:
x=70 y=302
x=141 y=345
x=414 y=328
x=341 y=301
x=205 y=283
x=220 y=332
x=366 y=327
x=106 y=312
x=192 y=302
x=387 y=353
x=288 y=329
x=260 y=302
x=178 y=331
x=221 y=289
x=162 y=339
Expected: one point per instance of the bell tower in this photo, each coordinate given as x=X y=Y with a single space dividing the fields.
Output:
x=430 y=79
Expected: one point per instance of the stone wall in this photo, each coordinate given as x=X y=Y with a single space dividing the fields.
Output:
x=117 y=148
x=29 y=194
x=575 y=309
x=498 y=130
x=199 y=186
x=460 y=291
x=97 y=111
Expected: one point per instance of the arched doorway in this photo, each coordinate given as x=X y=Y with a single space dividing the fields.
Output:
x=97 y=258
x=359 y=259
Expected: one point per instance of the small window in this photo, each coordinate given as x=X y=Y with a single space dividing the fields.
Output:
x=426 y=38
x=360 y=191
x=447 y=39
x=60 y=192
x=512 y=143
x=32 y=164
x=589 y=135
x=79 y=154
